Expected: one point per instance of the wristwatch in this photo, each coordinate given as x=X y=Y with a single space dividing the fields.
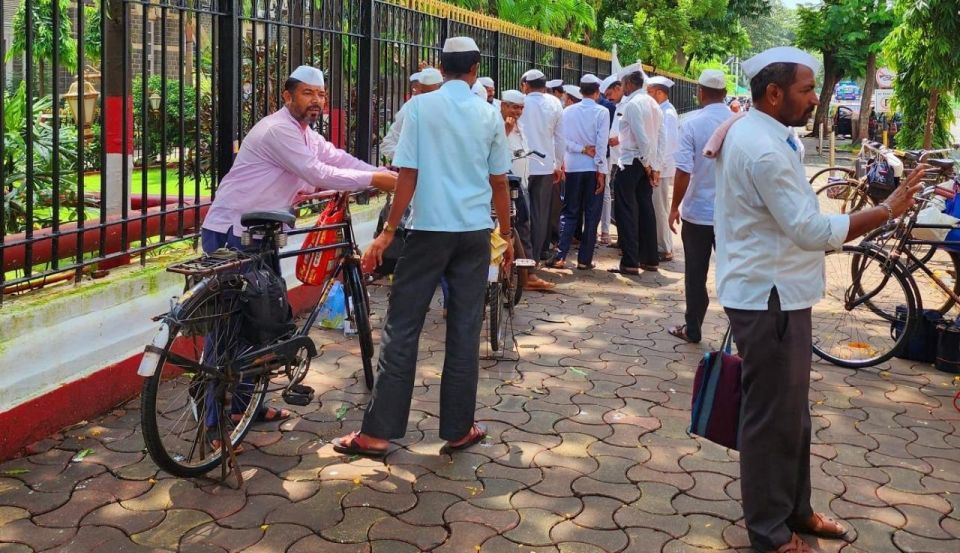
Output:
x=387 y=227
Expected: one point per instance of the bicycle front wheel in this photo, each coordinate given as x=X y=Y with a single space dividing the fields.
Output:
x=839 y=198
x=858 y=323
x=495 y=309
x=188 y=412
x=360 y=310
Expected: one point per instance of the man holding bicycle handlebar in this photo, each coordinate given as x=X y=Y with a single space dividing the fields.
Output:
x=453 y=157
x=770 y=242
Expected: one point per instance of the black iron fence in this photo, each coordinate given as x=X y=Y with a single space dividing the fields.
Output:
x=120 y=116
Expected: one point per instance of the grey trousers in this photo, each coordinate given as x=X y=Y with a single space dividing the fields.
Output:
x=774 y=420
x=698 y=244
x=463 y=258
x=541 y=189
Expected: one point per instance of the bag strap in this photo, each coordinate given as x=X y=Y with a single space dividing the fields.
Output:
x=726 y=346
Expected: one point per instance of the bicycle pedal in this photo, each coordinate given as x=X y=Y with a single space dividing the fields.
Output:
x=298 y=394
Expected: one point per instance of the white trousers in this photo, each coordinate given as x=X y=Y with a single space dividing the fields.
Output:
x=661 y=206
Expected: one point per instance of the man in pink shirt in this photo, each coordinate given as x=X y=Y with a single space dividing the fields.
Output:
x=281 y=157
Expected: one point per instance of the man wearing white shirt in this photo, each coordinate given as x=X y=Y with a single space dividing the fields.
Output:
x=694 y=191
x=659 y=89
x=425 y=81
x=771 y=240
x=541 y=122
x=511 y=108
x=641 y=133
x=586 y=128
x=612 y=89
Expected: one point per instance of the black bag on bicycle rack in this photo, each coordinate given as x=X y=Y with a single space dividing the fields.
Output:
x=881 y=181
x=921 y=345
x=265 y=312
x=392 y=253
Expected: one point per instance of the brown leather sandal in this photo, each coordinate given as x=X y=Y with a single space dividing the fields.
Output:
x=822 y=526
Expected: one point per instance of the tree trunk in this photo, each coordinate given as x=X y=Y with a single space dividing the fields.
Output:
x=829 y=81
x=492 y=9
x=863 y=129
x=931 y=119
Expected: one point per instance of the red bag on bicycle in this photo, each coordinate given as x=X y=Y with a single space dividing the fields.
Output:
x=316 y=268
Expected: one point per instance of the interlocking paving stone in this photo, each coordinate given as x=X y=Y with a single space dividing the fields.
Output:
x=174 y=525
x=588 y=431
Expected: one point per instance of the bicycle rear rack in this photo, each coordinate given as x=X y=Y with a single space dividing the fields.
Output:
x=217 y=262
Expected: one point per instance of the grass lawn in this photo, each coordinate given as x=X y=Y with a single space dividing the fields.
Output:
x=154 y=178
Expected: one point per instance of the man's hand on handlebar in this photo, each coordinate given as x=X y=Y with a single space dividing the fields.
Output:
x=385 y=181
x=902 y=198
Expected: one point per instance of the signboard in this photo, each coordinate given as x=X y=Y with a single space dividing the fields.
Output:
x=882 y=100
x=885 y=77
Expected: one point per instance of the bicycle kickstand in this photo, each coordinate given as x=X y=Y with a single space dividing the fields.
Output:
x=229 y=460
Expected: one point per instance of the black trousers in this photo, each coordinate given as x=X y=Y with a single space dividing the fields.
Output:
x=774 y=420
x=636 y=218
x=698 y=244
x=463 y=258
x=541 y=189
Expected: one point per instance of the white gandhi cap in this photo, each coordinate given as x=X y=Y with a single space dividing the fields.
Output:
x=554 y=83
x=512 y=97
x=713 y=78
x=780 y=54
x=607 y=82
x=309 y=75
x=430 y=76
x=479 y=90
x=573 y=91
x=533 y=75
x=460 y=44
x=660 y=80
x=631 y=69
x=590 y=78
x=415 y=78
x=486 y=81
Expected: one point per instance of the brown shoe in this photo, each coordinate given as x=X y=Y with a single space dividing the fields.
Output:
x=822 y=526
x=651 y=268
x=795 y=545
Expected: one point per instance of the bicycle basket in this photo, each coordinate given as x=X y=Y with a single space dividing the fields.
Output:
x=316 y=267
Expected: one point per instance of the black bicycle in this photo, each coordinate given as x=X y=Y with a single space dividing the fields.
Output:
x=503 y=289
x=205 y=383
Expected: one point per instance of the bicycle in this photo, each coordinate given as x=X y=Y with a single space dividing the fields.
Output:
x=874 y=301
x=503 y=288
x=204 y=385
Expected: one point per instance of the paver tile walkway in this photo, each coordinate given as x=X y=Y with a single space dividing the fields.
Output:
x=587 y=452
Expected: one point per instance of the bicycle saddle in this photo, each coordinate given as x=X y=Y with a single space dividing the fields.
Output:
x=913 y=155
x=267 y=218
x=940 y=163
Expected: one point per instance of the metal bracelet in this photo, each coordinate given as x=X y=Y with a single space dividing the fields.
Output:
x=889 y=209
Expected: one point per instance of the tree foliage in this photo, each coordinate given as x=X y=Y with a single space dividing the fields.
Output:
x=571 y=19
x=44 y=46
x=777 y=28
x=925 y=50
x=673 y=34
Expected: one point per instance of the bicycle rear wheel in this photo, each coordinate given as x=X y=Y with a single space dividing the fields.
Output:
x=824 y=176
x=186 y=412
x=360 y=310
x=853 y=326
x=843 y=197
x=518 y=253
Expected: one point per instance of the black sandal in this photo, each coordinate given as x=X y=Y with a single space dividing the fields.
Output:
x=340 y=445
x=476 y=434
